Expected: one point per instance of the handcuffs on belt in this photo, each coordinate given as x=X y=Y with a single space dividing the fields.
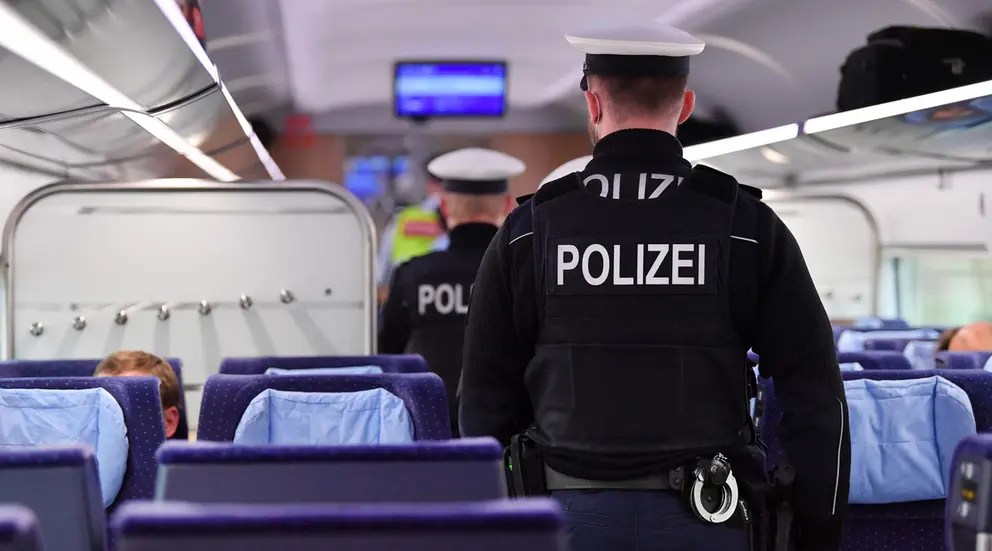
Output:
x=708 y=477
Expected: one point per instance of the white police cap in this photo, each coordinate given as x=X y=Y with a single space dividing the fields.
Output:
x=575 y=165
x=476 y=171
x=635 y=49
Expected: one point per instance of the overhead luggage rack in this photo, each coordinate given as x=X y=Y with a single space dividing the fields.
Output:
x=947 y=130
x=130 y=94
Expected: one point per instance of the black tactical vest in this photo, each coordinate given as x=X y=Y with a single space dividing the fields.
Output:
x=437 y=293
x=637 y=352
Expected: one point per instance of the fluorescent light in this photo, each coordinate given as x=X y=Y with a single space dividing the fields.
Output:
x=170 y=9
x=773 y=156
x=263 y=155
x=24 y=40
x=899 y=107
x=168 y=136
x=707 y=150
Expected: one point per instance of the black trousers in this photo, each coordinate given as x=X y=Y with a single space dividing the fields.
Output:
x=617 y=520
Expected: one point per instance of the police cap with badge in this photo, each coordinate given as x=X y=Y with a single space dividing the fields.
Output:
x=666 y=256
x=476 y=171
x=635 y=50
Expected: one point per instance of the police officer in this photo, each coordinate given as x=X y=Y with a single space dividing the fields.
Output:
x=428 y=300
x=611 y=316
x=413 y=231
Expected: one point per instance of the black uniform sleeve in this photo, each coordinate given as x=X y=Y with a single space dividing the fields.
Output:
x=394 y=329
x=494 y=401
x=796 y=346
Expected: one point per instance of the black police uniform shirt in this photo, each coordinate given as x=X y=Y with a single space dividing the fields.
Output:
x=427 y=305
x=641 y=315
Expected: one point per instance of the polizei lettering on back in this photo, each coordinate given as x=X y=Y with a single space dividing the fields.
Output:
x=633 y=266
x=444 y=299
x=649 y=185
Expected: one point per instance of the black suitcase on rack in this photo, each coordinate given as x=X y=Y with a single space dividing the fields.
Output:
x=902 y=62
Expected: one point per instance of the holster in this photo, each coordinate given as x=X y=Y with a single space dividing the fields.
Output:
x=524 y=468
x=776 y=532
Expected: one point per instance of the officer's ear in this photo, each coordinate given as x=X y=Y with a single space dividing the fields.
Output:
x=688 y=103
x=595 y=108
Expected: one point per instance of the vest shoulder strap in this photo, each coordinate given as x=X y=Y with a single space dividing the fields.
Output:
x=712 y=182
x=556 y=188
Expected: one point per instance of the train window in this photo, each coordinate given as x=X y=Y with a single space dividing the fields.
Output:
x=943 y=289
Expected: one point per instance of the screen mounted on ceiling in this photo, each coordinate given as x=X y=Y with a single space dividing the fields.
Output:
x=428 y=89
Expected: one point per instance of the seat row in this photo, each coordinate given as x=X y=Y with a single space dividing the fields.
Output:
x=905 y=425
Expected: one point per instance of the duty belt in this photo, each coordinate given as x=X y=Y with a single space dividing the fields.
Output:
x=705 y=478
x=559 y=481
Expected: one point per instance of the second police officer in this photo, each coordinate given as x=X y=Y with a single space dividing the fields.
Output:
x=611 y=316
x=428 y=300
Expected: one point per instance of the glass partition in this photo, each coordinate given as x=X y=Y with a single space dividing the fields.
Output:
x=189 y=269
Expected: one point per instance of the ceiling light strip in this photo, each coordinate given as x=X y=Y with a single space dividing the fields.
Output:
x=898 y=107
x=716 y=148
x=170 y=9
x=275 y=173
x=24 y=40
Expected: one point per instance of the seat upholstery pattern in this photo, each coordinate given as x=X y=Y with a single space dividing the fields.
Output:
x=899 y=526
x=15 y=369
x=142 y=406
x=225 y=398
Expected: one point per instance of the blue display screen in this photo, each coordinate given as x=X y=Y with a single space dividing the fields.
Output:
x=450 y=89
x=367 y=177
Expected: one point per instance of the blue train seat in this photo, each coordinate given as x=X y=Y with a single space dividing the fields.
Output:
x=428 y=471
x=520 y=525
x=874 y=361
x=226 y=398
x=853 y=340
x=921 y=354
x=141 y=406
x=19 y=530
x=15 y=369
x=875 y=323
x=944 y=418
x=60 y=485
x=962 y=360
x=398 y=363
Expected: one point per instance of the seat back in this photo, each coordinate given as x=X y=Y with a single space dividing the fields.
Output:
x=61 y=487
x=853 y=340
x=890 y=345
x=429 y=471
x=15 y=369
x=399 y=363
x=895 y=526
x=962 y=360
x=966 y=525
x=227 y=397
x=141 y=405
x=19 y=530
x=921 y=354
x=874 y=323
x=874 y=361
x=520 y=525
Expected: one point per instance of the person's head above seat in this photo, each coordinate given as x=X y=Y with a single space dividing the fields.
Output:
x=133 y=363
x=635 y=76
x=972 y=337
x=476 y=184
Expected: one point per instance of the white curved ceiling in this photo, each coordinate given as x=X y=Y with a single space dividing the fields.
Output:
x=768 y=62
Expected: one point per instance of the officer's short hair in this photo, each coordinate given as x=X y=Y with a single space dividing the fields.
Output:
x=628 y=96
x=463 y=205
